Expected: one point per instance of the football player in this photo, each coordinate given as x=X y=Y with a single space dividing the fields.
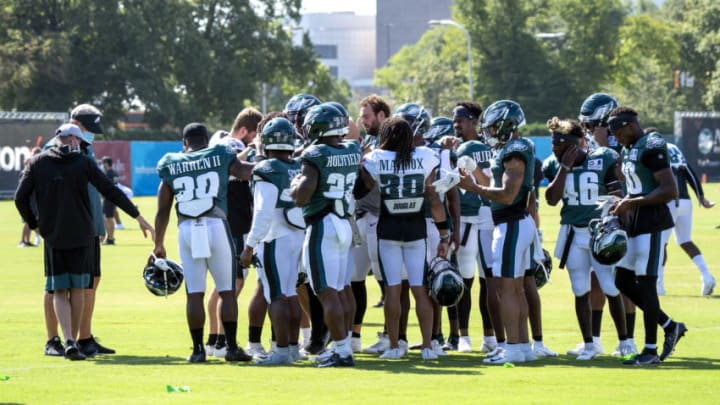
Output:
x=373 y=111
x=240 y=140
x=324 y=191
x=276 y=236
x=650 y=185
x=579 y=177
x=476 y=228
x=515 y=230
x=197 y=179
x=593 y=117
x=404 y=173
x=682 y=215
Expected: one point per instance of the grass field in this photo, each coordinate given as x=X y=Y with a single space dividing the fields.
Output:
x=152 y=341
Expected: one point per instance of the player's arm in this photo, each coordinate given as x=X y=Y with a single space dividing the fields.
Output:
x=511 y=182
x=241 y=170
x=453 y=204
x=612 y=182
x=437 y=210
x=264 y=196
x=304 y=185
x=162 y=217
x=22 y=198
x=365 y=185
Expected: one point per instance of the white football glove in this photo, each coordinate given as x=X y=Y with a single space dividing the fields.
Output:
x=448 y=180
x=466 y=163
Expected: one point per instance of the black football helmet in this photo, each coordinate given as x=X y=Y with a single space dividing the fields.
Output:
x=439 y=127
x=416 y=115
x=596 y=108
x=505 y=116
x=322 y=121
x=297 y=107
x=608 y=241
x=163 y=277
x=342 y=110
x=543 y=270
x=446 y=284
x=278 y=134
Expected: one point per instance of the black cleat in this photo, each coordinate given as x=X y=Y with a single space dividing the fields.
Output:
x=237 y=354
x=72 y=352
x=380 y=303
x=197 y=357
x=54 y=347
x=91 y=347
x=336 y=361
x=314 y=348
x=643 y=359
x=671 y=339
x=451 y=344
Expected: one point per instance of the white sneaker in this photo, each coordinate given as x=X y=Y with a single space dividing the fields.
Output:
x=625 y=348
x=220 y=352
x=494 y=352
x=256 y=350
x=210 y=349
x=577 y=350
x=120 y=227
x=488 y=345
x=496 y=356
x=356 y=344
x=708 y=286
x=588 y=353
x=273 y=359
x=295 y=354
x=464 y=344
x=598 y=345
x=437 y=348
x=429 y=354
x=506 y=356
x=273 y=346
x=528 y=353
x=326 y=354
x=393 y=354
x=541 y=350
x=380 y=346
x=403 y=345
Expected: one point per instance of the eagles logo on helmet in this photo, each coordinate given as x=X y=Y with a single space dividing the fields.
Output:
x=446 y=284
x=608 y=241
x=543 y=270
x=163 y=277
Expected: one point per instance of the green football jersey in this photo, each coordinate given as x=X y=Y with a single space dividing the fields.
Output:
x=338 y=170
x=639 y=179
x=198 y=179
x=583 y=185
x=280 y=174
x=482 y=154
x=522 y=148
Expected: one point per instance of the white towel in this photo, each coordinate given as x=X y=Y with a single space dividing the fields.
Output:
x=342 y=229
x=199 y=239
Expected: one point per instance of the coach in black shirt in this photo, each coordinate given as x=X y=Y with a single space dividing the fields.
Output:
x=59 y=179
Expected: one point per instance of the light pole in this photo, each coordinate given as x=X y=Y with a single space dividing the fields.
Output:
x=469 y=49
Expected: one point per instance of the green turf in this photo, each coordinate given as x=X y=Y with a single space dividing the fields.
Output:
x=152 y=341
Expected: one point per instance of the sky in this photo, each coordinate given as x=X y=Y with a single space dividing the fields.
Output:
x=360 y=7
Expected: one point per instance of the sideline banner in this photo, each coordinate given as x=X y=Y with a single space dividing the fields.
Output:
x=699 y=134
x=144 y=156
x=20 y=132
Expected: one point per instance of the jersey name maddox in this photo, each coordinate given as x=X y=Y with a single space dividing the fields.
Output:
x=402 y=191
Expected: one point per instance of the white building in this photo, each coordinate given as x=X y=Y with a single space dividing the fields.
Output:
x=345 y=42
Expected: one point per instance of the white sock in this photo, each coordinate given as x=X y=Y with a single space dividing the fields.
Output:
x=596 y=339
x=503 y=344
x=305 y=333
x=538 y=343
x=342 y=347
x=490 y=340
x=699 y=261
x=283 y=351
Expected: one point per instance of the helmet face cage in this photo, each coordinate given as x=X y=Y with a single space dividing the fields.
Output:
x=446 y=284
x=608 y=241
x=297 y=106
x=542 y=271
x=415 y=115
x=162 y=278
x=278 y=134
x=505 y=117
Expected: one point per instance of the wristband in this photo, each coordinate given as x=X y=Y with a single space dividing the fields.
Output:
x=445 y=237
x=566 y=167
x=441 y=226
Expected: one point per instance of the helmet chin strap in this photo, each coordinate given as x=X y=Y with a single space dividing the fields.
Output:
x=605 y=203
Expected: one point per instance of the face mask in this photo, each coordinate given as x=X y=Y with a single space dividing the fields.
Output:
x=88 y=136
x=67 y=149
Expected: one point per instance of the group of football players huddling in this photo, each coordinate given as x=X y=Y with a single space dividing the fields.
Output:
x=421 y=203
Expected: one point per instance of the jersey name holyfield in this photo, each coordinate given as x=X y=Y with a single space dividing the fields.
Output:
x=343 y=160
x=194 y=165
